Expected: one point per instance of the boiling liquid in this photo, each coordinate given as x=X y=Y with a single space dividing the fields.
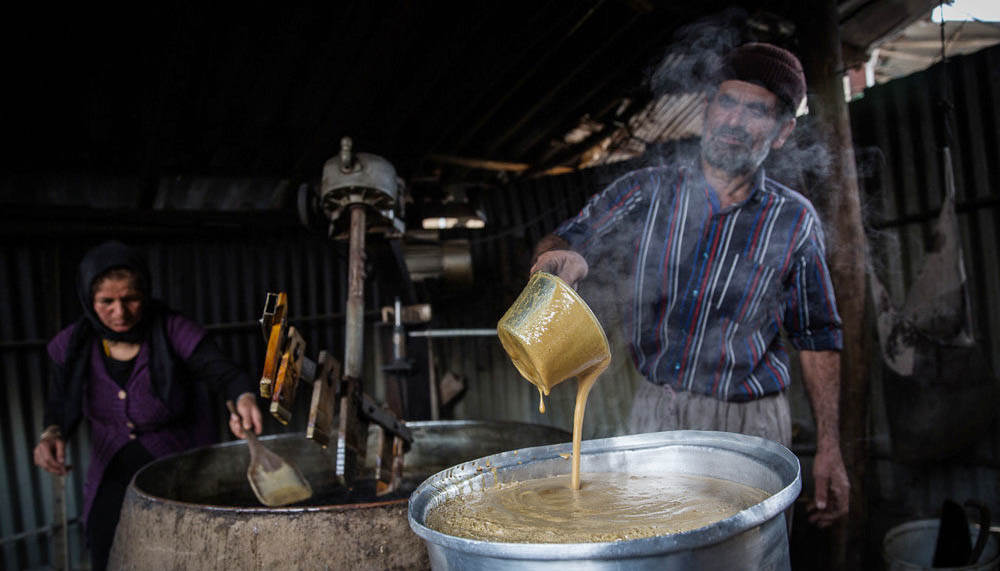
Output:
x=608 y=507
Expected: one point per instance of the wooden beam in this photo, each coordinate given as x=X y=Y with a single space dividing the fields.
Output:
x=481 y=164
x=820 y=45
x=491 y=165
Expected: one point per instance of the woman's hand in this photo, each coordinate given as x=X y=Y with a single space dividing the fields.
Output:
x=249 y=416
x=50 y=455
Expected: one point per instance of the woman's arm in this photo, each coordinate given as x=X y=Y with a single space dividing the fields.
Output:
x=208 y=364
x=50 y=452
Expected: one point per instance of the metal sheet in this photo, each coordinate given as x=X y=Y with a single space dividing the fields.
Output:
x=894 y=127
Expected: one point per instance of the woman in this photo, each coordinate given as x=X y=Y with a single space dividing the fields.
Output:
x=127 y=365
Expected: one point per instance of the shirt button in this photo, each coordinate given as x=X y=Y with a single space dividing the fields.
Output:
x=705 y=255
x=695 y=292
x=130 y=424
x=677 y=366
x=131 y=436
x=121 y=395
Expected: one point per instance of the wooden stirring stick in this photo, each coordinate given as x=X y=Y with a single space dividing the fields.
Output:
x=275 y=482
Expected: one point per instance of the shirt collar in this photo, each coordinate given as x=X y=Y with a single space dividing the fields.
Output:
x=756 y=190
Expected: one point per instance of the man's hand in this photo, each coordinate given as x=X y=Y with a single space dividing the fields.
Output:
x=249 y=416
x=566 y=264
x=833 y=490
x=821 y=374
x=50 y=455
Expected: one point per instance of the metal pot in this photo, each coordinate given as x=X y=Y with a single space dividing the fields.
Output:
x=755 y=538
x=196 y=510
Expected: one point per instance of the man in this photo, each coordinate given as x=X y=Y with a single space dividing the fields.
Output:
x=716 y=258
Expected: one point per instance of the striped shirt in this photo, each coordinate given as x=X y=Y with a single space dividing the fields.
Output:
x=711 y=287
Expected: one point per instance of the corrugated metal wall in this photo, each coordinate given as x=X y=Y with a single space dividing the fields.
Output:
x=518 y=217
x=896 y=134
x=896 y=128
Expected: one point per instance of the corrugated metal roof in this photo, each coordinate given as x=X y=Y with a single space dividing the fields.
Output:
x=918 y=45
x=668 y=118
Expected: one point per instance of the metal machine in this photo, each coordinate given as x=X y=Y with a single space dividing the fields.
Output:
x=352 y=180
x=334 y=397
x=359 y=194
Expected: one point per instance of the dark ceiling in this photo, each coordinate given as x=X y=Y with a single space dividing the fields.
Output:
x=270 y=92
x=180 y=90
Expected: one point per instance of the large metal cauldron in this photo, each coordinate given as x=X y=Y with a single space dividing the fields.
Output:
x=755 y=538
x=195 y=510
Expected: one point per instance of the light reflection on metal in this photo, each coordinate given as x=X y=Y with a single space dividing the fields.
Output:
x=454 y=333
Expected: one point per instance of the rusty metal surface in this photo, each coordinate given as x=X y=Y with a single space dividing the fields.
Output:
x=354 y=327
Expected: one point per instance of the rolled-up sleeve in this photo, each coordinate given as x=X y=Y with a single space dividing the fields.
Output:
x=811 y=319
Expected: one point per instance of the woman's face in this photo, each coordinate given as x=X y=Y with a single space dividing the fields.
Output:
x=118 y=303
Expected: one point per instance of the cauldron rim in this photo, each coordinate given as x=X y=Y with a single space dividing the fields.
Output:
x=425 y=424
x=711 y=534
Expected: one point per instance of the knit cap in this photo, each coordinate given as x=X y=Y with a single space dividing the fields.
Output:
x=769 y=66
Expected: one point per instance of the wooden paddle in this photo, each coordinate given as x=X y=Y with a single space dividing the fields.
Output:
x=275 y=482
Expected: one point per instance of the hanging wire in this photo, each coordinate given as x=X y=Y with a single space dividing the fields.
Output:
x=945 y=103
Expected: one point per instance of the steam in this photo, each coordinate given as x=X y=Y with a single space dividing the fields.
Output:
x=693 y=61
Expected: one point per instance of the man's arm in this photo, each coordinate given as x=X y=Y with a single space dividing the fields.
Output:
x=552 y=255
x=821 y=374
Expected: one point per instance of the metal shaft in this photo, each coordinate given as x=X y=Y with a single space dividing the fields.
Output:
x=398 y=333
x=354 y=332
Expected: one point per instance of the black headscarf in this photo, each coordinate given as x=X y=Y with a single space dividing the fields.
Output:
x=68 y=388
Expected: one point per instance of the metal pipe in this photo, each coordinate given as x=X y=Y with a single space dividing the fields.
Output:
x=398 y=333
x=432 y=381
x=60 y=532
x=454 y=333
x=45 y=530
x=355 y=326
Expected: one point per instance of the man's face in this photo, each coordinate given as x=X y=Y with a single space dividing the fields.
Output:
x=741 y=127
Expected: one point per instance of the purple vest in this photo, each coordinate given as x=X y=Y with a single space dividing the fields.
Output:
x=118 y=416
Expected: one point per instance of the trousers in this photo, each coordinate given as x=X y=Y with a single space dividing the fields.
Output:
x=657 y=408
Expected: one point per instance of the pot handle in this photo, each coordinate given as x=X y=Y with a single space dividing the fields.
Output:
x=984 y=529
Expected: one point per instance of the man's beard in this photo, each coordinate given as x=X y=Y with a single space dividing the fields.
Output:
x=734 y=160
